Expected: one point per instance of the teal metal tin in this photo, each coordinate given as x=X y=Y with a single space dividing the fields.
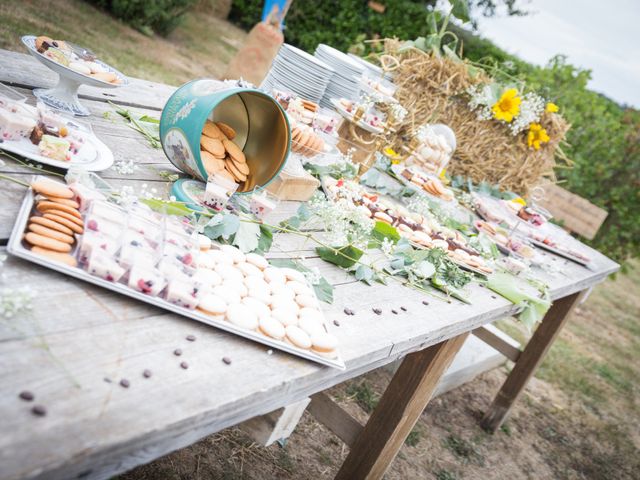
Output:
x=191 y=192
x=262 y=128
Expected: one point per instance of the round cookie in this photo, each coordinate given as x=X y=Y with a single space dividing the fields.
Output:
x=46 y=222
x=46 y=186
x=280 y=293
x=243 y=168
x=220 y=257
x=235 y=171
x=234 y=151
x=55 y=256
x=231 y=274
x=249 y=270
x=225 y=173
x=213 y=146
x=66 y=215
x=306 y=300
x=38 y=240
x=257 y=283
x=234 y=252
x=261 y=294
x=274 y=275
x=228 y=131
x=227 y=294
x=285 y=316
x=242 y=316
x=299 y=288
x=298 y=337
x=204 y=242
x=257 y=306
x=309 y=312
x=211 y=163
x=211 y=130
x=63 y=201
x=324 y=344
x=64 y=222
x=212 y=305
x=310 y=325
x=237 y=286
x=271 y=328
x=207 y=277
x=278 y=301
x=292 y=274
x=47 y=205
x=257 y=260
x=51 y=233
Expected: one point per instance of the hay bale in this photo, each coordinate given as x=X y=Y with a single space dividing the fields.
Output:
x=432 y=89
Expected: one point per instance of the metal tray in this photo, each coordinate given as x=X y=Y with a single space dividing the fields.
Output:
x=560 y=253
x=17 y=248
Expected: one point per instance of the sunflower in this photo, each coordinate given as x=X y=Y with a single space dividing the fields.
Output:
x=536 y=136
x=508 y=106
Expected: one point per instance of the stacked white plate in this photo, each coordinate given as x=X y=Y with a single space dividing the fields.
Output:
x=296 y=71
x=346 y=81
x=374 y=70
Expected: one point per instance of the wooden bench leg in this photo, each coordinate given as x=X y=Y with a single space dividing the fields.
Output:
x=399 y=408
x=528 y=361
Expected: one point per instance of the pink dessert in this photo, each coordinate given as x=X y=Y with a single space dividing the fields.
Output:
x=104 y=266
x=183 y=292
x=146 y=279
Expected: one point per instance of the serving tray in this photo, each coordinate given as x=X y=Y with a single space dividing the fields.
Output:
x=16 y=247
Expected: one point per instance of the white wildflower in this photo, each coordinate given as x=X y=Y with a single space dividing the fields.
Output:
x=14 y=301
x=531 y=108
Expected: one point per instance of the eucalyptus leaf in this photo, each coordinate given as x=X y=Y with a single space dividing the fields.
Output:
x=364 y=273
x=383 y=230
x=344 y=257
x=265 y=240
x=246 y=237
x=167 y=207
x=222 y=225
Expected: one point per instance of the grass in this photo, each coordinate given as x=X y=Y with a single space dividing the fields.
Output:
x=364 y=396
x=191 y=51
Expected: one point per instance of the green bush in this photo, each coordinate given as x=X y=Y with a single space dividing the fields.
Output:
x=148 y=16
x=340 y=22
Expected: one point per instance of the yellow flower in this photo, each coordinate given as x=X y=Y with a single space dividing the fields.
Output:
x=508 y=106
x=520 y=201
x=393 y=155
x=537 y=135
x=552 y=107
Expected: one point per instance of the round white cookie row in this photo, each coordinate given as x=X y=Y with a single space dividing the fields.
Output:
x=253 y=295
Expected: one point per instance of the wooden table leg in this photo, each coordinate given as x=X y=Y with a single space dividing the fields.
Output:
x=399 y=408
x=528 y=361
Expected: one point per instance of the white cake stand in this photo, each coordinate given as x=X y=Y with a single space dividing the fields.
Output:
x=64 y=96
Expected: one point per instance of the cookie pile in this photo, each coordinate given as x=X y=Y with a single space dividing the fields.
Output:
x=220 y=154
x=429 y=184
x=246 y=291
x=52 y=229
x=305 y=141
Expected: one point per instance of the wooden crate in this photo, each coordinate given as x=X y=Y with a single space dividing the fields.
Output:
x=577 y=214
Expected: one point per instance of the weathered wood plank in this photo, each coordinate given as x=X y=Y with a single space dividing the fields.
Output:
x=578 y=214
x=22 y=70
x=528 y=362
x=398 y=410
x=278 y=425
x=335 y=418
x=499 y=340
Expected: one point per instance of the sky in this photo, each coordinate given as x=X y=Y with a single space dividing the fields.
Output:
x=602 y=36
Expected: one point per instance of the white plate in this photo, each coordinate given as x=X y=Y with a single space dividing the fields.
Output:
x=93 y=156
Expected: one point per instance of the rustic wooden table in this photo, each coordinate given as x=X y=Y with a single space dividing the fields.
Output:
x=79 y=340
